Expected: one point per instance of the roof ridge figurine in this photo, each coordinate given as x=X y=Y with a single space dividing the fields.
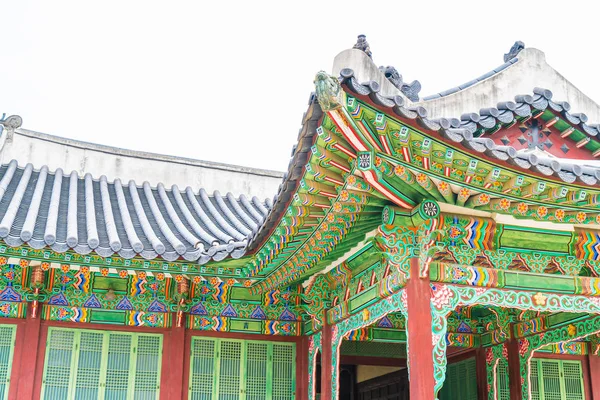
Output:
x=362 y=44
x=410 y=90
x=514 y=50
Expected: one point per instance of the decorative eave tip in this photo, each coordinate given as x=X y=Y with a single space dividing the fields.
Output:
x=514 y=50
x=12 y=122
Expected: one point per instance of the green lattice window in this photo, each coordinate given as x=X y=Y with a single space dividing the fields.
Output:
x=461 y=381
x=224 y=369
x=86 y=364
x=502 y=380
x=556 y=380
x=7 y=345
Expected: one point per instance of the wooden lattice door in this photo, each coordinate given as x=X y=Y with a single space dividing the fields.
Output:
x=553 y=379
x=227 y=369
x=461 y=381
x=86 y=364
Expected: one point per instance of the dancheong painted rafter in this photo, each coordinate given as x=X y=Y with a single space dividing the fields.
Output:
x=460 y=229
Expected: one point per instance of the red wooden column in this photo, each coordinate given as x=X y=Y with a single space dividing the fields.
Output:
x=514 y=368
x=326 y=361
x=594 y=371
x=25 y=358
x=420 y=336
x=481 y=365
x=302 y=368
x=173 y=362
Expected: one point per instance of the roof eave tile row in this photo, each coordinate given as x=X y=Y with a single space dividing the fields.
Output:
x=461 y=130
x=64 y=212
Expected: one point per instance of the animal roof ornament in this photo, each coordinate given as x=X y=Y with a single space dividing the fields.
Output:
x=362 y=44
x=514 y=50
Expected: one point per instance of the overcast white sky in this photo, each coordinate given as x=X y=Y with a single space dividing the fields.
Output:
x=229 y=81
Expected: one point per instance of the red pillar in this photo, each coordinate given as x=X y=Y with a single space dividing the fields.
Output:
x=173 y=361
x=326 y=362
x=420 y=336
x=481 y=365
x=302 y=368
x=514 y=368
x=594 y=371
x=25 y=358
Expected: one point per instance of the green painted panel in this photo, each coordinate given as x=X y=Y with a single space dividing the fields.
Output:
x=485 y=339
x=373 y=349
x=107 y=317
x=525 y=280
x=363 y=298
x=240 y=325
x=119 y=285
x=242 y=293
x=561 y=318
x=389 y=335
x=513 y=237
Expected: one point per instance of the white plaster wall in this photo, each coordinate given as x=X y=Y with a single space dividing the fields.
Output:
x=40 y=149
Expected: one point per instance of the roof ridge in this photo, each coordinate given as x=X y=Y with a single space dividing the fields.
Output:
x=145 y=155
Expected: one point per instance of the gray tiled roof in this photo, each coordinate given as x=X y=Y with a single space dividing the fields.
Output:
x=461 y=130
x=64 y=211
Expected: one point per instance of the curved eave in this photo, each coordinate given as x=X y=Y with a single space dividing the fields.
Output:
x=465 y=129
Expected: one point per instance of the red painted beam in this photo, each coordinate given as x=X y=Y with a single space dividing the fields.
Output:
x=420 y=336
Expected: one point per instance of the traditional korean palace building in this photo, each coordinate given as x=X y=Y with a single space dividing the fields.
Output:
x=445 y=246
